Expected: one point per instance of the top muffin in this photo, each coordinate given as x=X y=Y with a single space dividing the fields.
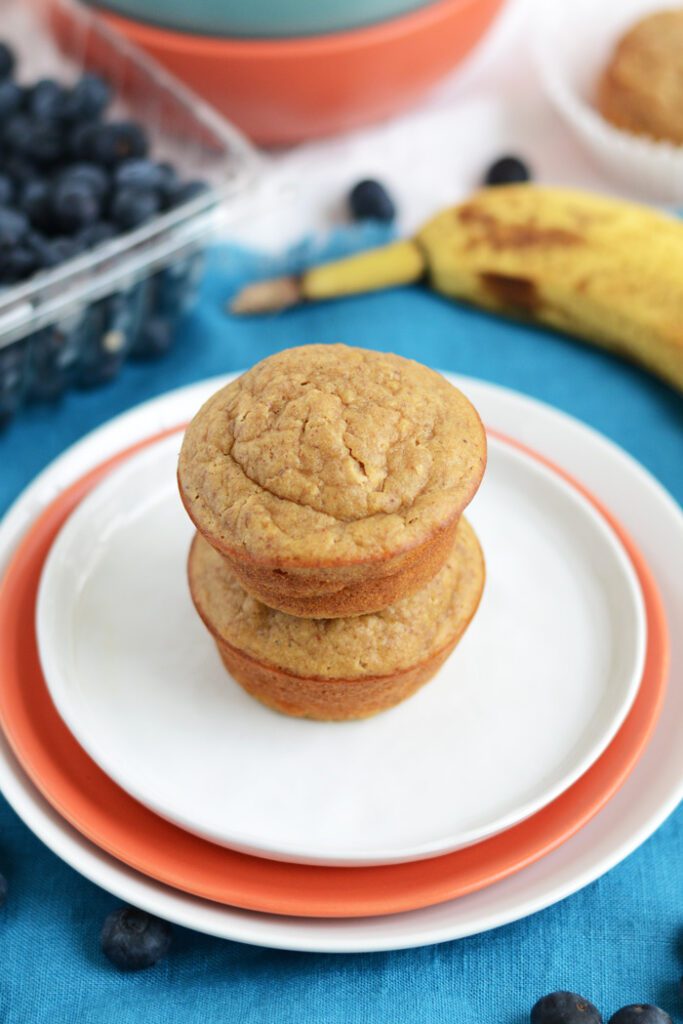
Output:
x=326 y=455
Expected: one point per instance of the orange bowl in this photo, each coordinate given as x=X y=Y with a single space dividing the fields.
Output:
x=286 y=90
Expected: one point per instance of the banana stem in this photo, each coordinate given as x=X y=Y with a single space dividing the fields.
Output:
x=388 y=266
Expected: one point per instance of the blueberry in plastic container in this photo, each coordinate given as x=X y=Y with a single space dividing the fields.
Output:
x=91 y=175
x=55 y=352
x=132 y=207
x=20 y=169
x=52 y=252
x=7 y=60
x=176 y=286
x=104 y=343
x=185 y=192
x=40 y=139
x=45 y=99
x=154 y=338
x=35 y=200
x=14 y=376
x=141 y=173
x=109 y=143
x=11 y=98
x=14 y=227
x=17 y=262
x=88 y=99
x=75 y=205
x=96 y=234
x=7 y=190
x=171 y=182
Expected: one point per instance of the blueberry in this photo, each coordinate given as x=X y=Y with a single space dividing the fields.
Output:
x=170 y=183
x=506 y=171
x=564 y=1008
x=45 y=99
x=154 y=338
x=185 y=192
x=20 y=169
x=97 y=233
x=80 y=140
x=35 y=200
x=13 y=227
x=52 y=252
x=7 y=60
x=640 y=1013
x=140 y=173
x=74 y=205
x=55 y=352
x=11 y=96
x=133 y=940
x=92 y=175
x=6 y=190
x=102 y=349
x=369 y=200
x=133 y=206
x=17 y=263
x=13 y=378
x=36 y=138
x=3 y=890
x=16 y=131
x=109 y=144
x=88 y=98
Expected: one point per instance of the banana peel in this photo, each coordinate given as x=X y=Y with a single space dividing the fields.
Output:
x=605 y=270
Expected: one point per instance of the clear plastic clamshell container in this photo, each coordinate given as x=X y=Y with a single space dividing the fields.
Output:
x=74 y=325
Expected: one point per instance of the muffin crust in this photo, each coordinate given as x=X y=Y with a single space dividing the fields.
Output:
x=337 y=668
x=327 y=456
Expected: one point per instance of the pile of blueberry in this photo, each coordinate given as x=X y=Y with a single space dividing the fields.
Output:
x=70 y=180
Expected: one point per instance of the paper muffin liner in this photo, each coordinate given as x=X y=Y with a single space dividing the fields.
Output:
x=574 y=40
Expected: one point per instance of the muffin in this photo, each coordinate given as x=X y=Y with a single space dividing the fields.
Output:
x=337 y=669
x=641 y=89
x=332 y=479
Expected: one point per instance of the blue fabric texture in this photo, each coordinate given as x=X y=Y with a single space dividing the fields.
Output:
x=618 y=941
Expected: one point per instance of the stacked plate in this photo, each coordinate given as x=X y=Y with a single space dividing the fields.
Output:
x=523 y=771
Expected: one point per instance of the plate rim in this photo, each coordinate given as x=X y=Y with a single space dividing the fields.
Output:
x=553 y=430
x=78 y=721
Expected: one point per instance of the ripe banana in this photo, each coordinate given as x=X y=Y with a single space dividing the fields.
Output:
x=606 y=270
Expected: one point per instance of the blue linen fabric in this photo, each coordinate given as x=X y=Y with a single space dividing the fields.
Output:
x=620 y=940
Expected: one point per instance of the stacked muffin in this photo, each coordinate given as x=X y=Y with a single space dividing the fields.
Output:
x=332 y=564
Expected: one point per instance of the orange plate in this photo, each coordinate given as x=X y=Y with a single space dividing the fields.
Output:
x=111 y=819
x=285 y=90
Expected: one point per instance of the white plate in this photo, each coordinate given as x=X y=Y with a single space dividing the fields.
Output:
x=649 y=795
x=534 y=693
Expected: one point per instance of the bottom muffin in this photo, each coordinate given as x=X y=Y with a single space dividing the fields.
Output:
x=337 y=669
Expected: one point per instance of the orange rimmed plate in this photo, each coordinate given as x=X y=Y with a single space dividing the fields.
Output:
x=91 y=802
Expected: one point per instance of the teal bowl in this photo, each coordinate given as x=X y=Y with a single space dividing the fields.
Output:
x=260 y=19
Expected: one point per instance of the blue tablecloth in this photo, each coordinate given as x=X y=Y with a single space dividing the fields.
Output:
x=618 y=941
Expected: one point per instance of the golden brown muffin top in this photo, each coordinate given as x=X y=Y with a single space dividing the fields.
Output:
x=325 y=455
x=402 y=635
x=641 y=89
